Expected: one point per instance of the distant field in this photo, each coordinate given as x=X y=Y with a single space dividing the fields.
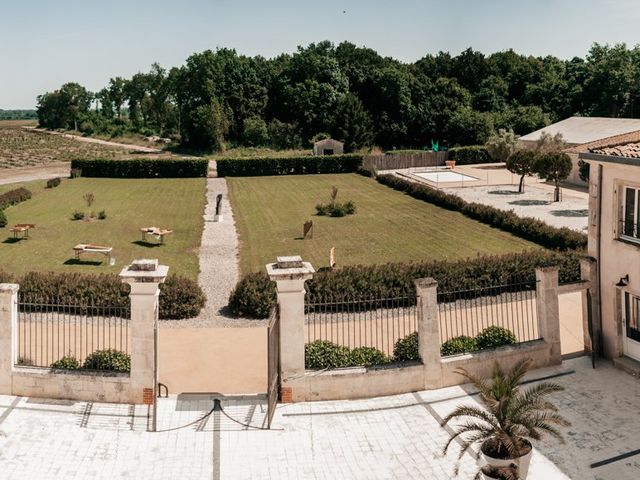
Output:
x=177 y=204
x=18 y=123
x=388 y=226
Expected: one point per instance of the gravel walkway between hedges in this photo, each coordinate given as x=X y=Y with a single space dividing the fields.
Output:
x=219 y=266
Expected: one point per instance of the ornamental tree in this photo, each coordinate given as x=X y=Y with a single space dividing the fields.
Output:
x=553 y=167
x=522 y=163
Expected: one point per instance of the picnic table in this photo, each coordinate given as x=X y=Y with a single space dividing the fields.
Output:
x=159 y=233
x=92 y=248
x=21 y=230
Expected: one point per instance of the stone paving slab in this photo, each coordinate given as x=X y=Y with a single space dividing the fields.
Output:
x=383 y=438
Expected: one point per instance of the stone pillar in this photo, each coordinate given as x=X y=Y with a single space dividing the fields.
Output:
x=588 y=273
x=429 y=331
x=290 y=273
x=8 y=337
x=145 y=277
x=548 y=310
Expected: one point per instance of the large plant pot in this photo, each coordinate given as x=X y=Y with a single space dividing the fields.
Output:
x=522 y=462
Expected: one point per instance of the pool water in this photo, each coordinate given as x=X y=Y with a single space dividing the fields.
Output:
x=445 y=176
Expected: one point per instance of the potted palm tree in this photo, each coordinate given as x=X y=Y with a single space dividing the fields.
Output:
x=489 y=472
x=512 y=417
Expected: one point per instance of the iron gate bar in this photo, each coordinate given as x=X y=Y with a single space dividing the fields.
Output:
x=273 y=364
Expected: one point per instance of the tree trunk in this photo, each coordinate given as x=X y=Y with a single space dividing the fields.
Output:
x=521 y=186
x=556 y=193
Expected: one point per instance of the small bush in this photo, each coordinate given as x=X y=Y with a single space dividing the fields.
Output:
x=66 y=363
x=322 y=209
x=108 y=360
x=492 y=337
x=253 y=296
x=89 y=198
x=336 y=209
x=350 y=207
x=3 y=219
x=13 y=197
x=323 y=354
x=406 y=349
x=180 y=298
x=367 y=356
x=53 y=182
x=77 y=215
x=457 y=345
x=102 y=215
x=75 y=173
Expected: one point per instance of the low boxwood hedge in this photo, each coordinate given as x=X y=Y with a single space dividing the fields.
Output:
x=180 y=297
x=321 y=354
x=470 y=155
x=255 y=167
x=457 y=345
x=525 y=227
x=13 y=197
x=494 y=336
x=255 y=295
x=142 y=168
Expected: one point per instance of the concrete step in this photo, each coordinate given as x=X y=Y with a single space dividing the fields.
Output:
x=629 y=365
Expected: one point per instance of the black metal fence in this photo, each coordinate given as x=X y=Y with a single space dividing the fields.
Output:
x=71 y=336
x=273 y=364
x=361 y=322
x=510 y=305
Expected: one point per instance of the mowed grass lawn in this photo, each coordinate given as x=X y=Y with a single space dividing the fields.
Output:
x=387 y=227
x=177 y=204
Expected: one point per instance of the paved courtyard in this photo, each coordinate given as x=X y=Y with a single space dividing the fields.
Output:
x=383 y=438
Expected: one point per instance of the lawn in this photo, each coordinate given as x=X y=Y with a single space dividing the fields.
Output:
x=387 y=227
x=177 y=204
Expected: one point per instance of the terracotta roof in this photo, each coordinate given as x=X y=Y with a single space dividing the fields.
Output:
x=629 y=150
x=605 y=142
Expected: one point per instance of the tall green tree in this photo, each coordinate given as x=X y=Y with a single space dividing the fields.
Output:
x=553 y=167
x=352 y=124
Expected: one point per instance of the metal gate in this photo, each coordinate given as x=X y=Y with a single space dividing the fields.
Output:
x=273 y=364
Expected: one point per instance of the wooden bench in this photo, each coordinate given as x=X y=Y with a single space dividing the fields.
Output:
x=92 y=248
x=159 y=233
x=21 y=230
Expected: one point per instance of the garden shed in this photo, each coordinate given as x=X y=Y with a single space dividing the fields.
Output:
x=328 y=146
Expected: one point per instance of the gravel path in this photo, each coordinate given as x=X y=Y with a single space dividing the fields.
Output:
x=219 y=269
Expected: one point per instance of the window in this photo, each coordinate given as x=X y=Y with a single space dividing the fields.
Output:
x=631 y=214
x=631 y=308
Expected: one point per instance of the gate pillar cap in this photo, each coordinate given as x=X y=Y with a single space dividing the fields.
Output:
x=290 y=268
x=9 y=287
x=144 y=271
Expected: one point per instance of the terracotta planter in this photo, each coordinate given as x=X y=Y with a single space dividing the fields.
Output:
x=522 y=462
x=450 y=164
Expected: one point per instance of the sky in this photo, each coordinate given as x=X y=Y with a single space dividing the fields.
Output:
x=44 y=44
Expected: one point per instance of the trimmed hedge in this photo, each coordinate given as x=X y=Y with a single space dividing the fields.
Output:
x=406 y=349
x=13 y=197
x=255 y=295
x=3 y=219
x=322 y=354
x=179 y=297
x=255 y=167
x=528 y=228
x=494 y=336
x=458 y=345
x=142 y=168
x=108 y=360
x=470 y=155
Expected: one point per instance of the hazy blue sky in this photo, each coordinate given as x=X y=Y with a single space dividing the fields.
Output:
x=46 y=43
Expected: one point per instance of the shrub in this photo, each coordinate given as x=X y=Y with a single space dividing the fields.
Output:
x=470 y=155
x=457 y=345
x=180 y=298
x=406 y=348
x=108 y=360
x=75 y=173
x=53 y=182
x=526 y=227
x=102 y=215
x=66 y=363
x=77 y=215
x=323 y=354
x=304 y=165
x=3 y=219
x=322 y=209
x=142 y=168
x=350 y=207
x=89 y=198
x=253 y=296
x=367 y=356
x=492 y=337
x=13 y=197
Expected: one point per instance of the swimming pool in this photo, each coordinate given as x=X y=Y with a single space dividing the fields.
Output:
x=445 y=176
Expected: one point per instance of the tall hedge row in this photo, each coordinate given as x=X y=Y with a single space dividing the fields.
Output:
x=142 y=168
x=13 y=197
x=254 y=167
x=180 y=297
x=526 y=227
x=255 y=295
x=470 y=155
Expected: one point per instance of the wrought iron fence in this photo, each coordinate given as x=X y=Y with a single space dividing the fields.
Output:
x=361 y=322
x=273 y=363
x=71 y=336
x=510 y=305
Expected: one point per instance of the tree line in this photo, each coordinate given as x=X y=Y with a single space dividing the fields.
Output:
x=219 y=98
x=18 y=114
